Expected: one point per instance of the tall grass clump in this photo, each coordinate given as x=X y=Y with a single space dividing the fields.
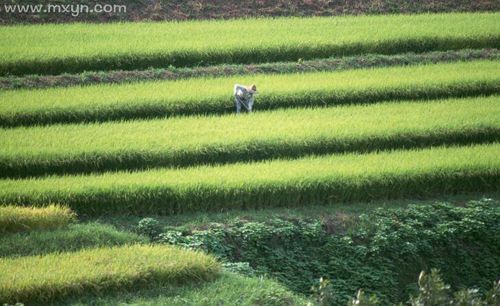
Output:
x=77 y=47
x=228 y=289
x=187 y=141
x=305 y=181
x=18 y=219
x=214 y=95
x=35 y=279
x=72 y=238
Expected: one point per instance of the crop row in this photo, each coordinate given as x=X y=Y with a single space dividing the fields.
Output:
x=186 y=141
x=35 y=279
x=18 y=219
x=313 y=65
x=311 y=180
x=214 y=95
x=73 y=237
x=54 y=49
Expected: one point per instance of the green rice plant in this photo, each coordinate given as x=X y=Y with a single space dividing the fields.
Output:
x=37 y=279
x=17 y=219
x=313 y=65
x=72 y=238
x=57 y=48
x=305 y=181
x=214 y=95
x=187 y=141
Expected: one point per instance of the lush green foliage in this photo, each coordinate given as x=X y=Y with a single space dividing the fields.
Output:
x=228 y=289
x=18 y=219
x=149 y=227
x=381 y=255
x=77 y=47
x=175 y=73
x=214 y=95
x=73 y=238
x=293 y=133
x=343 y=215
x=55 y=276
x=432 y=292
x=310 y=180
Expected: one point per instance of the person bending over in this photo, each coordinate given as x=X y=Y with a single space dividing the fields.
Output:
x=244 y=96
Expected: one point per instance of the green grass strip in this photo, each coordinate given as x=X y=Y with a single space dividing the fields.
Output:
x=314 y=65
x=84 y=148
x=56 y=48
x=214 y=95
x=72 y=238
x=310 y=180
x=55 y=276
x=19 y=219
x=228 y=289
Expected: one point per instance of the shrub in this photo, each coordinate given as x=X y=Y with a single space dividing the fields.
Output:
x=242 y=268
x=434 y=292
x=149 y=227
x=381 y=254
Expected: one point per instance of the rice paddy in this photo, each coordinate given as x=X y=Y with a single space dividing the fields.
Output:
x=309 y=180
x=54 y=49
x=85 y=148
x=39 y=279
x=19 y=219
x=166 y=148
x=214 y=95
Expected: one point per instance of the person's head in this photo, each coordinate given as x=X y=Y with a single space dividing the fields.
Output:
x=252 y=88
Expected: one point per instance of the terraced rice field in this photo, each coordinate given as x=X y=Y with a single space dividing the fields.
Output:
x=172 y=147
x=140 y=45
x=45 y=278
x=19 y=219
x=83 y=148
x=310 y=180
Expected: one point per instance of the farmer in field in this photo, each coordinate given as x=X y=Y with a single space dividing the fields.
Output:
x=244 y=96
